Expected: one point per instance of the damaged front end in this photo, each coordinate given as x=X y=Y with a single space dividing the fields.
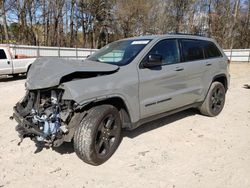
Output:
x=44 y=117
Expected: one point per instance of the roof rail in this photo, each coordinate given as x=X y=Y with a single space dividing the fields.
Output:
x=177 y=33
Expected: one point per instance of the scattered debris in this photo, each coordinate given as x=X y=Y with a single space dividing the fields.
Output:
x=143 y=153
x=56 y=170
x=247 y=86
x=13 y=140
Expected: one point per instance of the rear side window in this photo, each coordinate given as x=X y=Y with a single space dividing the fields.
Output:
x=168 y=49
x=192 y=50
x=210 y=50
x=2 y=54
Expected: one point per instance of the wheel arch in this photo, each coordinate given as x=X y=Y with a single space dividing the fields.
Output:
x=119 y=103
x=222 y=78
x=218 y=78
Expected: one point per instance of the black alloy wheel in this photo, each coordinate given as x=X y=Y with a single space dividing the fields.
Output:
x=98 y=135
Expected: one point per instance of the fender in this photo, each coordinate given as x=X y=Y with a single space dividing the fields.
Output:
x=134 y=116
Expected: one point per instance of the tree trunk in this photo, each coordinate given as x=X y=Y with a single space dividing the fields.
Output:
x=6 y=34
x=44 y=21
x=247 y=27
x=83 y=19
x=72 y=23
x=66 y=22
x=236 y=8
x=209 y=19
x=30 y=34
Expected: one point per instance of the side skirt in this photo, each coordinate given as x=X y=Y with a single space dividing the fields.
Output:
x=159 y=116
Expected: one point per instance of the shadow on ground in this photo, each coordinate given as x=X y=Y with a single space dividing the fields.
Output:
x=11 y=78
x=159 y=123
x=246 y=86
x=67 y=148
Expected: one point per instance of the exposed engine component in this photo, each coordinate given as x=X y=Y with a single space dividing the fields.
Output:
x=43 y=116
x=49 y=122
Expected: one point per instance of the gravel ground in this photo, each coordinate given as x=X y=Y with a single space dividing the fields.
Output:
x=182 y=150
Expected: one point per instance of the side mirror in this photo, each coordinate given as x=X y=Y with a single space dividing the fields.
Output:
x=153 y=61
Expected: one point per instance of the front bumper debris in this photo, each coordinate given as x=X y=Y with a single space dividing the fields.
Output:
x=43 y=117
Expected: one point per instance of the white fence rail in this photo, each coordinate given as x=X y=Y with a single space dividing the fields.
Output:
x=241 y=55
x=44 y=51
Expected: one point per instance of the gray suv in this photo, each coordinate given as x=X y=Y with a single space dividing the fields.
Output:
x=122 y=86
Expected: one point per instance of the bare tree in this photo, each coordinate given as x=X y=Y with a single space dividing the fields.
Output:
x=72 y=12
x=5 y=26
x=94 y=23
x=180 y=8
x=236 y=8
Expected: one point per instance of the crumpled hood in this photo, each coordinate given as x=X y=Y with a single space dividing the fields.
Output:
x=48 y=72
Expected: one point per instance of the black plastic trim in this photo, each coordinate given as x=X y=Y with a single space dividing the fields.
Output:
x=161 y=115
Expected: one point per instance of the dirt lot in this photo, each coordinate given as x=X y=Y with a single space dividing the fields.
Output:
x=183 y=150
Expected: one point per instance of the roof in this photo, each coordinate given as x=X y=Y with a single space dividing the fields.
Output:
x=152 y=37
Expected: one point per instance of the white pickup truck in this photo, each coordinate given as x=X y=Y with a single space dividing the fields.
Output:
x=10 y=65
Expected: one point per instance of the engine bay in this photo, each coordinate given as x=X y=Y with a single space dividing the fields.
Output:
x=44 y=117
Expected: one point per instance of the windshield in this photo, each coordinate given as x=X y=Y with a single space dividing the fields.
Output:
x=120 y=52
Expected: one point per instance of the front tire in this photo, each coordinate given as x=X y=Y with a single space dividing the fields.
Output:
x=99 y=135
x=214 y=101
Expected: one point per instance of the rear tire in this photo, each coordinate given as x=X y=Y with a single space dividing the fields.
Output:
x=214 y=101
x=99 y=135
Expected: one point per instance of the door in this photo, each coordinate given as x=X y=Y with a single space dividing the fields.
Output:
x=5 y=64
x=196 y=73
x=161 y=87
x=214 y=60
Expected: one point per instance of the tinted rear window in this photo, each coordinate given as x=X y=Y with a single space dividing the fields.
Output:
x=210 y=50
x=192 y=50
x=2 y=54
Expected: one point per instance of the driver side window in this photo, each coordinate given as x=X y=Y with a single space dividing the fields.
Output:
x=168 y=49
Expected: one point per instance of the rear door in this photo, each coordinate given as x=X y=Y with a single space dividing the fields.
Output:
x=195 y=68
x=5 y=64
x=161 y=87
x=214 y=60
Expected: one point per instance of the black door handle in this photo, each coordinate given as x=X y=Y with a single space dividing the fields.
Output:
x=8 y=62
x=179 y=69
x=208 y=64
